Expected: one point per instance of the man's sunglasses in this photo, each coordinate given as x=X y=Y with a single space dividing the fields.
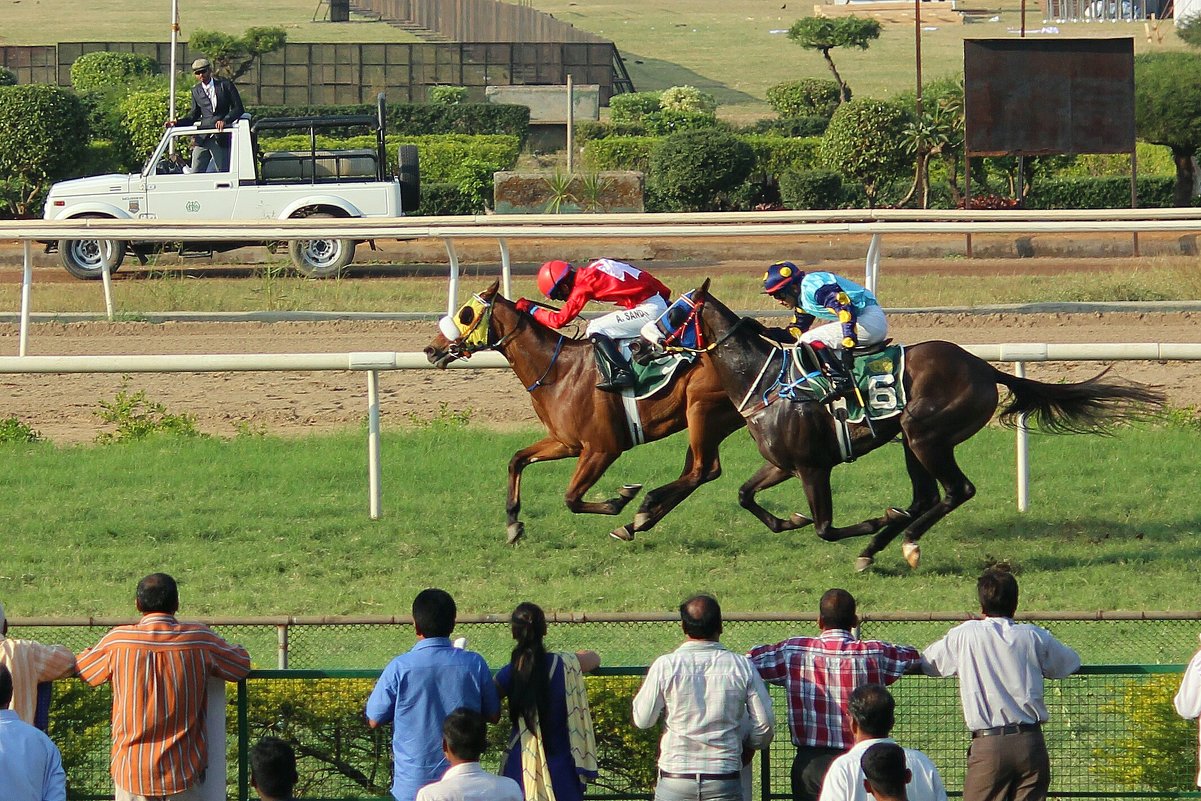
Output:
x=202 y=72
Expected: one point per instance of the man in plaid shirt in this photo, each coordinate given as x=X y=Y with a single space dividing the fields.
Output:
x=819 y=674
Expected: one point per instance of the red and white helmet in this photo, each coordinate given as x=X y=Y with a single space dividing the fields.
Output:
x=551 y=274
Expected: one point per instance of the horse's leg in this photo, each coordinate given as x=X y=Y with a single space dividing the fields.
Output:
x=590 y=467
x=939 y=459
x=821 y=508
x=702 y=463
x=544 y=450
x=925 y=496
x=766 y=477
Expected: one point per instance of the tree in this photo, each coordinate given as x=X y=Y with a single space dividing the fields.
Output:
x=864 y=143
x=824 y=34
x=43 y=138
x=1167 y=111
x=233 y=56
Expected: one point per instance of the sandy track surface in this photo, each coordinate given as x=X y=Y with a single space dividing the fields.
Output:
x=63 y=407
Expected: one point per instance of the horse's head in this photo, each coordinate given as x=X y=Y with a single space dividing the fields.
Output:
x=680 y=327
x=468 y=330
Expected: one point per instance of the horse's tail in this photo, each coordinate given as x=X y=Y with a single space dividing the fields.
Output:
x=1085 y=407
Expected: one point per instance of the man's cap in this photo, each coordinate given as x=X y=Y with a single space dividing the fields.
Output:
x=201 y=64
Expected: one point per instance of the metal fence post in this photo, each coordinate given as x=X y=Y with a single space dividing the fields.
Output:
x=243 y=742
x=281 y=635
x=1023 y=448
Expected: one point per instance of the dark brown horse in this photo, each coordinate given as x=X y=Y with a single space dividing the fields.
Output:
x=951 y=395
x=582 y=421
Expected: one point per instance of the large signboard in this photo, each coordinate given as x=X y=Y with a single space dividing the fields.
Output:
x=1034 y=97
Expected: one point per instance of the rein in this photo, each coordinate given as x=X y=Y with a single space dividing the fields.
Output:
x=465 y=348
x=554 y=358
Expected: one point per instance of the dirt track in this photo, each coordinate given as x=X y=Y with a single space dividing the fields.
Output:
x=63 y=407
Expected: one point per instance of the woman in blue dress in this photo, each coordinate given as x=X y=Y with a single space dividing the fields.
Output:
x=551 y=752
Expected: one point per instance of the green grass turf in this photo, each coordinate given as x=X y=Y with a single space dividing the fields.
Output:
x=266 y=525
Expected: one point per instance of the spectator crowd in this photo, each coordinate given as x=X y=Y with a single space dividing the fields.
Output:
x=711 y=704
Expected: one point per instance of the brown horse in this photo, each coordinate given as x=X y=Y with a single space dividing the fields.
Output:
x=951 y=396
x=582 y=421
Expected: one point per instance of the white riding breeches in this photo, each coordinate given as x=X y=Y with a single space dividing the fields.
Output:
x=871 y=326
x=627 y=323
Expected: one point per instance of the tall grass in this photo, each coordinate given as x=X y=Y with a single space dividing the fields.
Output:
x=258 y=525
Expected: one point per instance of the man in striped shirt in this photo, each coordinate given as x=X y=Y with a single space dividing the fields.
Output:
x=159 y=669
x=819 y=674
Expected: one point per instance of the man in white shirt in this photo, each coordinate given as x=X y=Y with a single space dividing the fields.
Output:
x=31 y=768
x=1001 y=666
x=30 y=664
x=1188 y=698
x=704 y=693
x=464 y=738
x=873 y=712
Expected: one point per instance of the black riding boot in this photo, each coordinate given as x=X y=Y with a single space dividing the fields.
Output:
x=615 y=371
x=838 y=368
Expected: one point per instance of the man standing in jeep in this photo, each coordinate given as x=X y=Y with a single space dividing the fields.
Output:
x=215 y=104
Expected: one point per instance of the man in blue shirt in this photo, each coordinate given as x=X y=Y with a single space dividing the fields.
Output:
x=851 y=317
x=420 y=688
x=30 y=766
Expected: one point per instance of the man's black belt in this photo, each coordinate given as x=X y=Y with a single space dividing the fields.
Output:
x=1012 y=728
x=701 y=777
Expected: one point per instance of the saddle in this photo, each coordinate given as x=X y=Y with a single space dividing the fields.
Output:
x=877 y=373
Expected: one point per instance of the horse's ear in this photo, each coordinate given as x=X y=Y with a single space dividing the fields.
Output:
x=491 y=290
x=703 y=289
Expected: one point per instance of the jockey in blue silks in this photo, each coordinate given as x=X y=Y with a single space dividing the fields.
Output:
x=854 y=315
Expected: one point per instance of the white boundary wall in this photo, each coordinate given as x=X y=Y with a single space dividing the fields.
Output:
x=372 y=362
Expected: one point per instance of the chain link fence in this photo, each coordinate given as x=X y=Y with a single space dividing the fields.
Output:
x=1112 y=730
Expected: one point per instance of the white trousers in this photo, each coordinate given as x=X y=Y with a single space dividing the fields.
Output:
x=871 y=326
x=627 y=323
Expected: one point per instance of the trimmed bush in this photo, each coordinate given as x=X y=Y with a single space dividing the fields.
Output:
x=439 y=200
x=809 y=97
x=1100 y=193
x=776 y=155
x=442 y=158
x=633 y=106
x=620 y=153
x=104 y=71
x=690 y=169
x=43 y=138
x=447 y=95
x=424 y=119
x=592 y=130
x=864 y=144
x=811 y=189
x=687 y=99
x=142 y=117
x=789 y=126
x=669 y=121
x=7 y=77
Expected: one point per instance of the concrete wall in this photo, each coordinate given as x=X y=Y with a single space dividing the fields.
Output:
x=548 y=104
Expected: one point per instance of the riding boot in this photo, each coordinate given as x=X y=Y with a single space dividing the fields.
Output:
x=615 y=371
x=838 y=369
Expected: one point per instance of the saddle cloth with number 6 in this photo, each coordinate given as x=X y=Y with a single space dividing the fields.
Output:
x=878 y=376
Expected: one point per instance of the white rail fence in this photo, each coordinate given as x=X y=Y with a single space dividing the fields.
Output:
x=871 y=224
x=373 y=362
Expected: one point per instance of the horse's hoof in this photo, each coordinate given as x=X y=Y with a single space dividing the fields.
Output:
x=863 y=563
x=640 y=521
x=913 y=553
x=625 y=533
x=628 y=491
x=516 y=531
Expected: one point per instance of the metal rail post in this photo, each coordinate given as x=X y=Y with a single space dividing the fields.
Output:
x=1023 y=450
x=26 y=283
x=506 y=270
x=373 y=463
x=453 y=302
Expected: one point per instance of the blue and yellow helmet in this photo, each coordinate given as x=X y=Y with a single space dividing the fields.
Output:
x=781 y=275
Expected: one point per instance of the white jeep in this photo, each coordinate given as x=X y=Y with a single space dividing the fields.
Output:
x=259 y=185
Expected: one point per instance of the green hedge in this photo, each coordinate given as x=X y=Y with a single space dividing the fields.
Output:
x=441 y=199
x=811 y=189
x=7 y=77
x=106 y=71
x=424 y=119
x=1100 y=193
x=620 y=153
x=43 y=138
x=776 y=155
x=441 y=157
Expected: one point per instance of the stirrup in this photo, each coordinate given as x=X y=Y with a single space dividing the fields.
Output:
x=621 y=379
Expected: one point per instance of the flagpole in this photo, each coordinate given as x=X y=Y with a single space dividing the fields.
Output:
x=174 y=42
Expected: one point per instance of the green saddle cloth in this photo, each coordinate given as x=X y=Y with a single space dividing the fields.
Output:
x=658 y=372
x=879 y=378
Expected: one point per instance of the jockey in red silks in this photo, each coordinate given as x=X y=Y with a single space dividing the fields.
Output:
x=641 y=296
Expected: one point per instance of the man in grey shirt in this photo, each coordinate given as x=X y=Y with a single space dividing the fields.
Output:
x=1001 y=666
x=705 y=693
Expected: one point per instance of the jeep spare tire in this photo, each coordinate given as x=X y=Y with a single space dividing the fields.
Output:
x=321 y=258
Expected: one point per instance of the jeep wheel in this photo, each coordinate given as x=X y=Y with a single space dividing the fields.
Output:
x=84 y=258
x=321 y=258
